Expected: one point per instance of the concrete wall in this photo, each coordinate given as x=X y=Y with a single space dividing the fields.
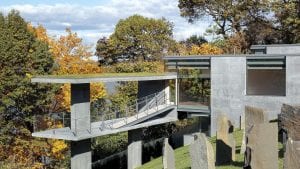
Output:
x=228 y=89
x=283 y=49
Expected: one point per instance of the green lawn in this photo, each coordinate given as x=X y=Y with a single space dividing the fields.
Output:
x=183 y=160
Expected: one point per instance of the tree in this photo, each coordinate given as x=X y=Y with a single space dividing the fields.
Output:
x=71 y=57
x=194 y=40
x=21 y=56
x=205 y=49
x=287 y=17
x=230 y=16
x=137 y=38
x=254 y=22
x=105 y=51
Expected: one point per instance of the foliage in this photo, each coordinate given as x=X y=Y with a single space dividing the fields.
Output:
x=235 y=44
x=23 y=55
x=194 y=40
x=203 y=49
x=71 y=57
x=109 y=144
x=287 y=16
x=151 y=67
x=193 y=87
x=105 y=51
x=243 y=23
x=136 y=38
x=228 y=15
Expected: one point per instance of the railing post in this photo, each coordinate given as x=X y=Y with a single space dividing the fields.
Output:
x=137 y=106
x=102 y=121
x=63 y=119
x=91 y=125
x=147 y=105
x=76 y=127
x=156 y=101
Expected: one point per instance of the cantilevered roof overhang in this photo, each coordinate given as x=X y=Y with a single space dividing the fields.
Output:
x=105 y=77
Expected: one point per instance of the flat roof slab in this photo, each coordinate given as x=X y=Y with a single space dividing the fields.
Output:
x=105 y=77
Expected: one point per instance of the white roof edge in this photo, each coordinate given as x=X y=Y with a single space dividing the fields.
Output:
x=102 y=79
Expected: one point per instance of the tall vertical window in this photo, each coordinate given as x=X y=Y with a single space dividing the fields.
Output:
x=266 y=76
x=194 y=87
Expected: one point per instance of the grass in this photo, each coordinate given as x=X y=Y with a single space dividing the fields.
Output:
x=100 y=75
x=182 y=158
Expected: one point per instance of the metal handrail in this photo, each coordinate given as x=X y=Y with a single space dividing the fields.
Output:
x=107 y=120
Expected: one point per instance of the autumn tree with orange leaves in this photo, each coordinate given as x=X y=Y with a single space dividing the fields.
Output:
x=71 y=57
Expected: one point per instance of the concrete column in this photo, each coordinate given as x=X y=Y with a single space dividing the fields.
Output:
x=81 y=156
x=167 y=91
x=134 y=152
x=80 y=108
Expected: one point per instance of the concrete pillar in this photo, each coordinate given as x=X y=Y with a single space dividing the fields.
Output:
x=167 y=91
x=80 y=108
x=134 y=152
x=81 y=157
x=81 y=154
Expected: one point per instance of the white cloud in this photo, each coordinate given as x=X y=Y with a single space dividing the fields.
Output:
x=92 y=22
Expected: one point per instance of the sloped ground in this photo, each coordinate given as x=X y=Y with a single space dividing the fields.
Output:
x=183 y=159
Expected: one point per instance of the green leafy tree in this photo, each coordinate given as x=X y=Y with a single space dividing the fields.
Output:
x=137 y=38
x=244 y=23
x=194 y=40
x=230 y=16
x=105 y=51
x=21 y=56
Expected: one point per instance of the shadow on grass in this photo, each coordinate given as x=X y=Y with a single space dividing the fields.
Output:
x=239 y=164
x=281 y=152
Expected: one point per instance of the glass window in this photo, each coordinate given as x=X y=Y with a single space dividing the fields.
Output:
x=266 y=77
x=194 y=88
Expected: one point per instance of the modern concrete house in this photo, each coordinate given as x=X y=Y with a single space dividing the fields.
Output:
x=267 y=78
x=205 y=87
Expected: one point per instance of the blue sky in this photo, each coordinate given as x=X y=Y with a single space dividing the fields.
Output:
x=93 y=19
